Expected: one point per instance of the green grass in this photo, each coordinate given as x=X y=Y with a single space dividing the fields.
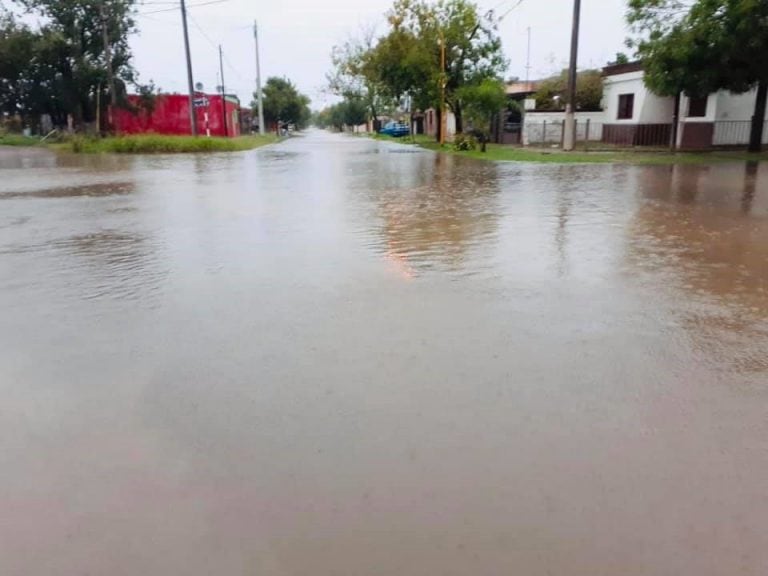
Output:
x=159 y=144
x=18 y=140
x=499 y=153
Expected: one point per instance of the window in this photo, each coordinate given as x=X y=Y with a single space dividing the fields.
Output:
x=626 y=106
x=697 y=107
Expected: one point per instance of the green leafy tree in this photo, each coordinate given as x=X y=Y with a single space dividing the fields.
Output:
x=408 y=58
x=321 y=118
x=19 y=45
x=482 y=103
x=283 y=103
x=349 y=112
x=355 y=75
x=553 y=92
x=702 y=46
x=620 y=58
x=72 y=48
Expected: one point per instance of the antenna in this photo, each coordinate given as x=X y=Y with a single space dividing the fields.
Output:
x=528 y=59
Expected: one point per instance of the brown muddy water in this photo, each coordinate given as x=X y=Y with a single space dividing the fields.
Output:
x=336 y=356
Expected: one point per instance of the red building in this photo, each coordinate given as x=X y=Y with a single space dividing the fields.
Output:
x=170 y=115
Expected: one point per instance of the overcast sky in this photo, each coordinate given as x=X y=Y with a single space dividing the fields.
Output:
x=297 y=37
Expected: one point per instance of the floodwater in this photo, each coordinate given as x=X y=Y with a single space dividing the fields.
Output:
x=336 y=356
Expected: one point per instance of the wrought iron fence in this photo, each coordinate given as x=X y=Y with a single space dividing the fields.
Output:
x=735 y=133
x=594 y=134
x=694 y=135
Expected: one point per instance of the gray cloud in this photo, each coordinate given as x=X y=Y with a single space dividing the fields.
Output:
x=297 y=37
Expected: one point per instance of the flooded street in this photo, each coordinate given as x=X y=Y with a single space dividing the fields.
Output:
x=336 y=356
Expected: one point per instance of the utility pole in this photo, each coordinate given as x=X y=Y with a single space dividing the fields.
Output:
x=569 y=138
x=108 y=57
x=190 y=80
x=223 y=93
x=259 y=95
x=443 y=81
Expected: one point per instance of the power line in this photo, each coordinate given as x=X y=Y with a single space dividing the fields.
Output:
x=216 y=46
x=232 y=67
x=519 y=2
x=202 y=32
x=175 y=7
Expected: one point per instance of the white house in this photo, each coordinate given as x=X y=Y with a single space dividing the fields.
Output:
x=635 y=115
x=632 y=115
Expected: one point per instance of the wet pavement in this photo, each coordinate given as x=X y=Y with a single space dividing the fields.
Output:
x=335 y=356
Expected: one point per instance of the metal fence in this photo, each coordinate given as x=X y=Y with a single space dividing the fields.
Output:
x=735 y=133
x=692 y=135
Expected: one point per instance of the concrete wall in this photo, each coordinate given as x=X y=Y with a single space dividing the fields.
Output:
x=430 y=123
x=649 y=108
x=533 y=127
x=735 y=107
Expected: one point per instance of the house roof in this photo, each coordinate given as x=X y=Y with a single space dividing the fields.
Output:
x=616 y=69
x=522 y=88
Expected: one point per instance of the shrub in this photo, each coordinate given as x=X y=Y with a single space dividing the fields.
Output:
x=464 y=142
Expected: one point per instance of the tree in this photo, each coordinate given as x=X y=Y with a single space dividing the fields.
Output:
x=283 y=103
x=19 y=46
x=553 y=92
x=482 y=103
x=702 y=46
x=353 y=112
x=408 y=58
x=621 y=58
x=354 y=75
x=72 y=46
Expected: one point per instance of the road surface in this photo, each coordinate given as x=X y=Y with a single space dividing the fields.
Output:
x=335 y=356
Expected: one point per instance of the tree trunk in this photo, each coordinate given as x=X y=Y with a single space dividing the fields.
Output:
x=439 y=115
x=675 y=124
x=459 y=118
x=483 y=141
x=758 y=120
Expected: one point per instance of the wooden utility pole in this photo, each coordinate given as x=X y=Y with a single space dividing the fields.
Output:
x=259 y=95
x=223 y=93
x=569 y=139
x=108 y=58
x=443 y=82
x=190 y=80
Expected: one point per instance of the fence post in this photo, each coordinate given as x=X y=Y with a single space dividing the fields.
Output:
x=544 y=135
x=575 y=133
x=586 y=135
x=562 y=135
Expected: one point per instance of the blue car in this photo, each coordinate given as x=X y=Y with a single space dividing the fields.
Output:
x=395 y=129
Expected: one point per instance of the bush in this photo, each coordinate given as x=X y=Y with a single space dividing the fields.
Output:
x=464 y=142
x=12 y=124
x=164 y=144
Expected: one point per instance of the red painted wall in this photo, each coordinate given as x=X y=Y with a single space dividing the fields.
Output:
x=171 y=116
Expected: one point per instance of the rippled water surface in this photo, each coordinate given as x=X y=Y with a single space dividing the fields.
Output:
x=335 y=356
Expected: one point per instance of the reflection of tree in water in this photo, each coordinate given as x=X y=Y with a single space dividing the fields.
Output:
x=123 y=266
x=437 y=219
x=700 y=236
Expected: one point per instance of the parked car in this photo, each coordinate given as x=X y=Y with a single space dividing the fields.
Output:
x=395 y=129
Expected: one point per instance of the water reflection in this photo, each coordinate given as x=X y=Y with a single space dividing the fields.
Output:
x=224 y=360
x=708 y=247
x=751 y=170
x=109 y=263
x=435 y=212
x=41 y=159
x=92 y=190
